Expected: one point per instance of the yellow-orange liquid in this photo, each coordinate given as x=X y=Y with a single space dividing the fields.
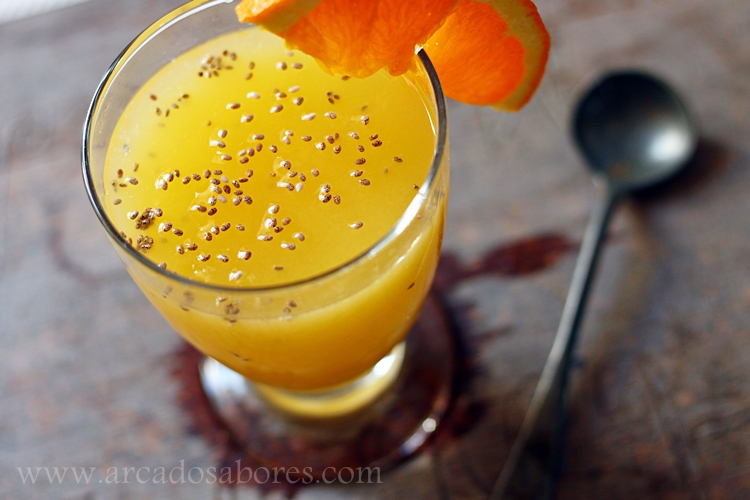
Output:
x=241 y=164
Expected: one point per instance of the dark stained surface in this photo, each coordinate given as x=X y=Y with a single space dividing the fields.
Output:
x=662 y=395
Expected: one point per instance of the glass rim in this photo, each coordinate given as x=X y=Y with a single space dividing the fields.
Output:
x=397 y=228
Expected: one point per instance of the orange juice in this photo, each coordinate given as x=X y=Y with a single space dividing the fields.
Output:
x=245 y=166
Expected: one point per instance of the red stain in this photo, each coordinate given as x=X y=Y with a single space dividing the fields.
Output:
x=519 y=258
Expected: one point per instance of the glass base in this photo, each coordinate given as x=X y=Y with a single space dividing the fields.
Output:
x=330 y=402
x=378 y=420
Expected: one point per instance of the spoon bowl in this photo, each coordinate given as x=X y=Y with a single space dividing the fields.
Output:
x=634 y=130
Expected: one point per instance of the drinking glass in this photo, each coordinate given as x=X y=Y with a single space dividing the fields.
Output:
x=320 y=364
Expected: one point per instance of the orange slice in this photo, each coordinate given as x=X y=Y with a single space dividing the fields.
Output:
x=486 y=52
x=491 y=53
x=352 y=37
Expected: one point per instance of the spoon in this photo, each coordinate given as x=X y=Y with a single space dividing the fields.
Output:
x=634 y=132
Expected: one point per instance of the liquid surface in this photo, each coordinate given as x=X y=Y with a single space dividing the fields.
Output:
x=244 y=164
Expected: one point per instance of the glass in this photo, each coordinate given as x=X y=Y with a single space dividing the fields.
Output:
x=347 y=379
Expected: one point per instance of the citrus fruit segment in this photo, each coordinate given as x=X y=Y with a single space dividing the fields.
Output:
x=355 y=37
x=491 y=52
x=276 y=16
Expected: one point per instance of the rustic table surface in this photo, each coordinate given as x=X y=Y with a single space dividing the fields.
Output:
x=662 y=396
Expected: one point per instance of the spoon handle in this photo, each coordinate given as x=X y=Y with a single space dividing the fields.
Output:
x=532 y=466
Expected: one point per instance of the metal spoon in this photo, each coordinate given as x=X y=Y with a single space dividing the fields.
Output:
x=634 y=132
